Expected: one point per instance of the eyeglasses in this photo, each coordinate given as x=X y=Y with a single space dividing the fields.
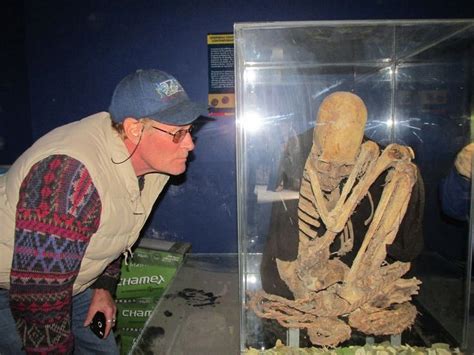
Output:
x=179 y=135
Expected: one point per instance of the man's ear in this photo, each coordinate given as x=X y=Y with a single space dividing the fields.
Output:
x=132 y=128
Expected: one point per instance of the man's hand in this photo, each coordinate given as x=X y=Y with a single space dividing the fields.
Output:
x=102 y=301
x=463 y=162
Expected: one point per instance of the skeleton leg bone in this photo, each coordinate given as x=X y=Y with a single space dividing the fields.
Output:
x=387 y=219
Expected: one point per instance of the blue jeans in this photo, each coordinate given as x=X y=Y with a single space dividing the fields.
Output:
x=85 y=342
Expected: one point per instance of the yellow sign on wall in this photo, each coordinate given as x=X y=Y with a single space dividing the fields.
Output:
x=225 y=38
x=221 y=96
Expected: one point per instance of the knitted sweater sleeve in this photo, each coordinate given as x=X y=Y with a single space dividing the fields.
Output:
x=57 y=213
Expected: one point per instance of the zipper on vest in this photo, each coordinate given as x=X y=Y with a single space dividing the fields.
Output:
x=126 y=253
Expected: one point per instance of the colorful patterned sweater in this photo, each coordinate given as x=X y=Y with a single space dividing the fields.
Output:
x=57 y=213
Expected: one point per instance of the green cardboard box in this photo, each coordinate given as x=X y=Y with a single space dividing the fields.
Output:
x=142 y=282
x=150 y=270
x=128 y=337
x=133 y=313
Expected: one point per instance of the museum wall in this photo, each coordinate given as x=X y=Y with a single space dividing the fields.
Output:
x=62 y=59
x=15 y=121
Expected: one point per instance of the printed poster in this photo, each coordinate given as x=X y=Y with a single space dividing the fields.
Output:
x=221 y=97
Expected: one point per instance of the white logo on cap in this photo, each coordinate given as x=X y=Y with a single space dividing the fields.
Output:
x=168 y=88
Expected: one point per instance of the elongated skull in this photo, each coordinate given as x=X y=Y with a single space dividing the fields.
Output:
x=337 y=137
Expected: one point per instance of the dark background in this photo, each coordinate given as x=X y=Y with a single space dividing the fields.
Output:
x=61 y=60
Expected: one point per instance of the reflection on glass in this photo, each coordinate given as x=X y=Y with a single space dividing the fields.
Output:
x=251 y=122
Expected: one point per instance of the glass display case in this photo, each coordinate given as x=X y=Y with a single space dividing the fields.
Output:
x=416 y=81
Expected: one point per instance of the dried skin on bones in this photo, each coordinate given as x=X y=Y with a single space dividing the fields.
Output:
x=330 y=296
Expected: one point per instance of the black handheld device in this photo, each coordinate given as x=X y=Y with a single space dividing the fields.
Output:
x=98 y=325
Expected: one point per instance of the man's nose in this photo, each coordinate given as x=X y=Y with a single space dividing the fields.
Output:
x=188 y=142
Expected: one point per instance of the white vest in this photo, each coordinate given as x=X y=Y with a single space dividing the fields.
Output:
x=95 y=143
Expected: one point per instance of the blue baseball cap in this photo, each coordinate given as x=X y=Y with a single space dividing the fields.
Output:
x=152 y=93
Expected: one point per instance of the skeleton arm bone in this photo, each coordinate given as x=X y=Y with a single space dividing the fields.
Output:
x=333 y=220
x=337 y=218
x=391 y=155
